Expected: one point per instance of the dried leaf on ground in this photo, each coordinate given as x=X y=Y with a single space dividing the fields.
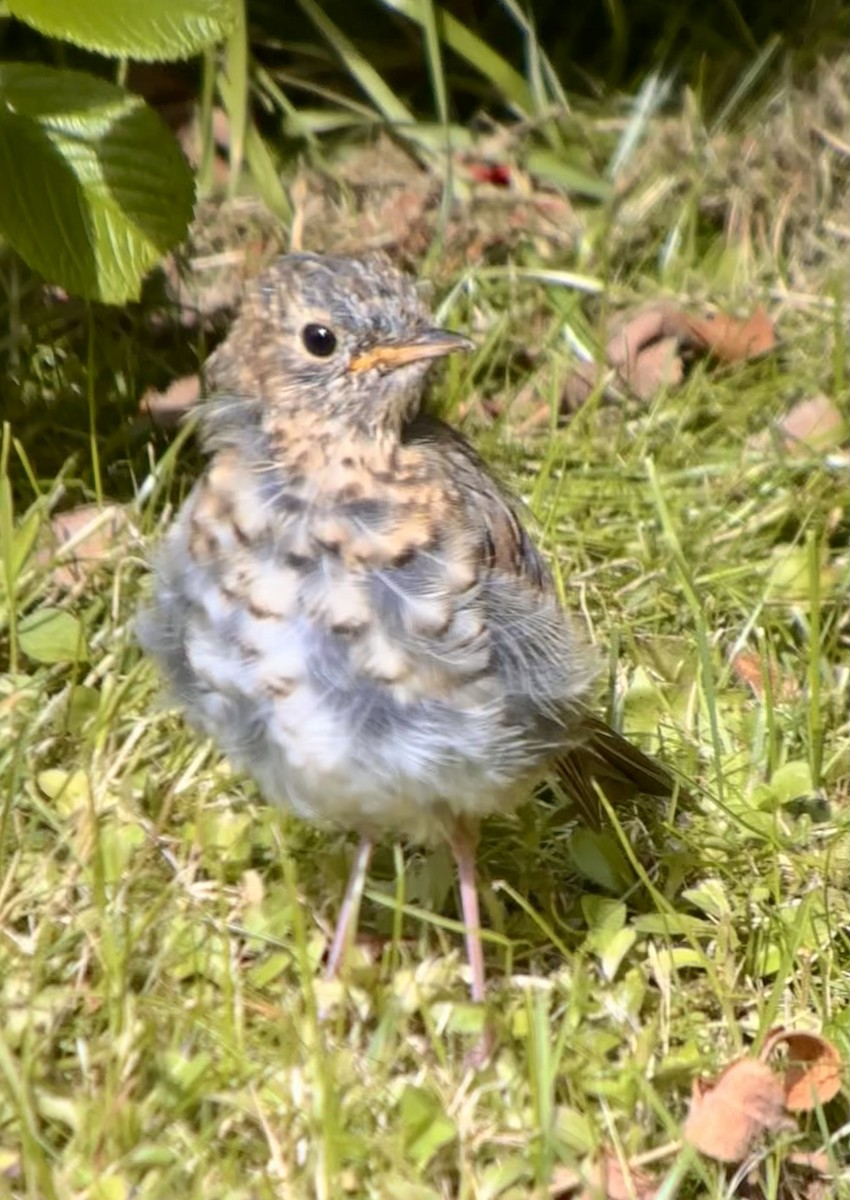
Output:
x=813 y=1071
x=658 y=366
x=749 y=668
x=81 y=539
x=728 y=338
x=812 y=1160
x=818 y=1180
x=607 y=1179
x=813 y=424
x=168 y=408
x=646 y=351
x=728 y=1116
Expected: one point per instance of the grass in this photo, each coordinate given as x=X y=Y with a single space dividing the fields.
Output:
x=162 y=929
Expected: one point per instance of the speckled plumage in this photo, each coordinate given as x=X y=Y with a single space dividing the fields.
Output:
x=347 y=602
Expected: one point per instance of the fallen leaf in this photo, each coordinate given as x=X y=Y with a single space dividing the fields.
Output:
x=82 y=538
x=647 y=326
x=812 y=1160
x=577 y=388
x=816 y=423
x=168 y=408
x=747 y=665
x=813 y=1071
x=564 y=1183
x=607 y=1179
x=731 y=339
x=820 y=1182
x=646 y=351
x=813 y=424
x=657 y=366
x=726 y=1117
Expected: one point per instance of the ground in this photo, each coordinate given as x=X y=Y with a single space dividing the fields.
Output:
x=162 y=929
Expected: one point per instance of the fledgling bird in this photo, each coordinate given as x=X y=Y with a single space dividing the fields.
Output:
x=349 y=604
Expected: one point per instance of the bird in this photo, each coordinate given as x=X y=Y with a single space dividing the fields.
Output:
x=351 y=606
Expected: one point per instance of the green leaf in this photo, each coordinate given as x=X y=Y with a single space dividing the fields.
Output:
x=68 y=790
x=598 y=857
x=574 y=1130
x=222 y=831
x=611 y=947
x=425 y=1126
x=673 y=924
x=601 y=912
x=238 y=104
x=153 y=31
x=96 y=190
x=710 y=896
x=118 y=843
x=52 y=635
x=791 y=781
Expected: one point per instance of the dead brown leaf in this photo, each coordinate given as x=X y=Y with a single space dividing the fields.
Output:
x=577 y=387
x=812 y=1160
x=816 y=1164
x=728 y=1116
x=645 y=327
x=607 y=1179
x=80 y=539
x=168 y=408
x=748 y=667
x=813 y=1071
x=729 y=338
x=658 y=366
x=813 y=424
x=646 y=351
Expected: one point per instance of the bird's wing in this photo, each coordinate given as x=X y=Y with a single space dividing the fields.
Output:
x=505 y=546
x=600 y=756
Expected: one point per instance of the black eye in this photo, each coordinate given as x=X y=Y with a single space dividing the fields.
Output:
x=319 y=340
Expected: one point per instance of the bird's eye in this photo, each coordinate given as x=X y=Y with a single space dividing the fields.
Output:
x=319 y=340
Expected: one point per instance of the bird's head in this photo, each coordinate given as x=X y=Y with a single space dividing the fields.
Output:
x=343 y=338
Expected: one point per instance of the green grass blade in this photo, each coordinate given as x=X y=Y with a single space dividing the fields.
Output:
x=513 y=89
x=698 y=616
x=359 y=67
x=238 y=92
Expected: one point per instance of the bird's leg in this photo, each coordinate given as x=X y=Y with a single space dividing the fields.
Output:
x=347 y=920
x=463 y=840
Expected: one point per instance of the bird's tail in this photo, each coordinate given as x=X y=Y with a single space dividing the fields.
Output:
x=605 y=759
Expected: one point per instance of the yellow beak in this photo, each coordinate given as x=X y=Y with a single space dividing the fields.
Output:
x=431 y=343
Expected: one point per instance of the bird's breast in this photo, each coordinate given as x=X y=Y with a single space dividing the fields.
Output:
x=340 y=642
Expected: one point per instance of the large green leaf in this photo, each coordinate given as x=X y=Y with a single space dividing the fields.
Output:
x=95 y=188
x=151 y=30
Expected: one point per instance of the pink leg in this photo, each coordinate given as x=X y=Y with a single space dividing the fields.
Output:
x=347 y=920
x=464 y=842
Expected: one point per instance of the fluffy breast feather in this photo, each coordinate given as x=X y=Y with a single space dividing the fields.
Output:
x=377 y=641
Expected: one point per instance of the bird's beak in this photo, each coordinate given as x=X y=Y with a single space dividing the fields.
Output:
x=431 y=343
